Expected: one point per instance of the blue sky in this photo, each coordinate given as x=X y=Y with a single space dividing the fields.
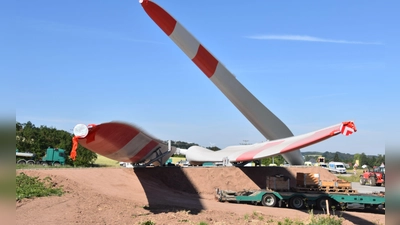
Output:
x=313 y=64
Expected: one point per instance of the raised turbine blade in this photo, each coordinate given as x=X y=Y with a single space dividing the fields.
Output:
x=261 y=117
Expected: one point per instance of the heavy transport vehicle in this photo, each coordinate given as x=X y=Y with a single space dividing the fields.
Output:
x=53 y=157
x=336 y=194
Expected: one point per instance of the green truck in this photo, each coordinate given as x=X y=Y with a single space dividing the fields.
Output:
x=53 y=156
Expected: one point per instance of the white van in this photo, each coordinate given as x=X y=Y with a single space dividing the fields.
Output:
x=336 y=167
x=308 y=163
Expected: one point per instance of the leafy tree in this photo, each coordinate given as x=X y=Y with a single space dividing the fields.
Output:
x=372 y=161
x=357 y=157
x=214 y=148
x=278 y=160
x=182 y=144
x=84 y=157
x=336 y=158
x=380 y=159
x=307 y=158
x=363 y=159
x=26 y=135
x=328 y=156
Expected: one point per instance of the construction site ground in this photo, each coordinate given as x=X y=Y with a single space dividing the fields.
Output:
x=168 y=195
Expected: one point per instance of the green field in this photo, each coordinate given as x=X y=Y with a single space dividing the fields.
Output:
x=353 y=178
x=103 y=161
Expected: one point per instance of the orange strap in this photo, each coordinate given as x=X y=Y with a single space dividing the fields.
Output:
x=74 y=147
x=75 y=142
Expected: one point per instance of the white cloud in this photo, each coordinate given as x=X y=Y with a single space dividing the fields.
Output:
x=308 y=38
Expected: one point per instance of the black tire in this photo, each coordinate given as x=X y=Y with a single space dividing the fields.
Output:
x=44 y=164
x=297 y=202
x=372 y=181
x=269 y=200
x=57 y=164
x=362 y=181
x=321 y=202
x=21 y=161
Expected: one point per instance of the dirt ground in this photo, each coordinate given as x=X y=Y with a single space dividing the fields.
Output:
x=169 y=195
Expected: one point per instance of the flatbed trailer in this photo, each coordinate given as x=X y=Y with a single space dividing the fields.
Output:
x=299 y=199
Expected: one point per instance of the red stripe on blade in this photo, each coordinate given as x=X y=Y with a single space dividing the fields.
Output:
x=315 y=138
x=250 y=154
x=108 y=138
x=161 y=17
x=145 y=150
x=205 y=61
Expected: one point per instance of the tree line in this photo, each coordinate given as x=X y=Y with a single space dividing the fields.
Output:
x=30 y=138
x=351 y=159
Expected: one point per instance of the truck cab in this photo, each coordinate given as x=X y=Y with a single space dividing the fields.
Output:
x=54 y=156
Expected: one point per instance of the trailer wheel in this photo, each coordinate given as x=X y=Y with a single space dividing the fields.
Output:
x=268 y=200
x=44 y=164
x=56 y=164
x=321 y=202
x=297 y=202
x=363 y=181
x=372 y=181
x=30 y=162
x=21 y=161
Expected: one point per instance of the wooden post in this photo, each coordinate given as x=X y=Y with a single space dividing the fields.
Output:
x=327 y=206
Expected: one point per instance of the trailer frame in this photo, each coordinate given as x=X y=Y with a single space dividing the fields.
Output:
x=299 y=199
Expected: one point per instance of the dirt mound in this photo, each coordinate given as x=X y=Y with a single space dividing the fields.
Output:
x=161 y=195
x=204 y=181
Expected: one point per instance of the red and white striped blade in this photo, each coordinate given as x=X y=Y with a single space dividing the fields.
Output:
x=348 y=128
x=260 y=116
x=122 y=142
x=244 y=153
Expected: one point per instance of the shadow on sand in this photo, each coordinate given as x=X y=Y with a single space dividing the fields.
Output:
x=259 y=174
x=168 y=189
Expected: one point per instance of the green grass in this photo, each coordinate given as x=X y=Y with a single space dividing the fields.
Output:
x=26 y=166
x=149 y=222
x=30 y=187
x=175 y=159
x=314 y=220
x=325 y=220
x=352 y=178
x=103 y=161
